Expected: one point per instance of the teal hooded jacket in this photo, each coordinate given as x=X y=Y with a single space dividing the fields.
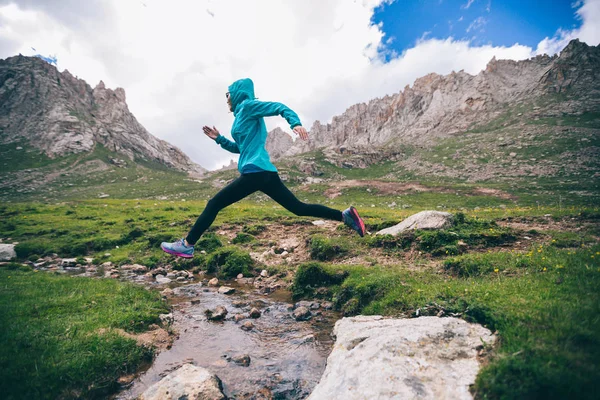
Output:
x=249 y=131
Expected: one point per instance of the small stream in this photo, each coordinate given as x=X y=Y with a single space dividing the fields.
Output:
x=287 y=357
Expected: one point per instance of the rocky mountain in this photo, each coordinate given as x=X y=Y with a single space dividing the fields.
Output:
x=59 y=114
x=509 y=100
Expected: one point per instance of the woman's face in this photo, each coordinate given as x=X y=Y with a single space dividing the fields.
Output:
x=229 y=101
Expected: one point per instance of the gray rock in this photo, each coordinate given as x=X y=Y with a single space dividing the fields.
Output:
x=166 y=319
x=7 y=252
x=68 y=262
x=187 y=382
x=254 y=313
x=161 y=280
x=243 y=360
x=239 y=317
x=218 y=315
x=226 y=290
x=421 y=220
x=424 y=358
x=213 y=282
x=189 y=290
x=302 y=314
x=247 y=326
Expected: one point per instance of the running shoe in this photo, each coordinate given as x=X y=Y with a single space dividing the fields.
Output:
x=353 y=220
x=178 y=248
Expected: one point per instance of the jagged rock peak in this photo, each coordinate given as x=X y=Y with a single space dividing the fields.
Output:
x=437 y=106
x=60 y=114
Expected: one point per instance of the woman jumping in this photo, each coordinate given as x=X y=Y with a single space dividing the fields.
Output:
x=257 y=172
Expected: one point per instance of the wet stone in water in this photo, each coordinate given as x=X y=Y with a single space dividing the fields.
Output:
x=239 y=317
x=217 y=315
x=226 y=290
x=243 y=360
x=302 y=314
x=254 y=313
x=247 y=326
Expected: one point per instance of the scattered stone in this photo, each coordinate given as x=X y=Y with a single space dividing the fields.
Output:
x=218 y=315
x=162 y=280
x=247 y=326
x=226 y=290
x=192 y=290
x=239 y=317
x=243 y=360
x=171 y=275
x=159 y=271
x=213 y=282
x=187 y=382
x=258 y=303
x=166 y=319
x=302 y=314
x=167 y=292
x=68 y=262
x=7 y=252
x=318 y=222
x=254 y=313
x=240 y=276
x=239 y=303
x=421 y=220
x=307 y=339
x=327 y=305
x=425 y=358
x=264 y=273
x=181 y=279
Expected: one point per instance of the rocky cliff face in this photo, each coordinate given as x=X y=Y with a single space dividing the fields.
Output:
x=60 y=114
x=437 y=107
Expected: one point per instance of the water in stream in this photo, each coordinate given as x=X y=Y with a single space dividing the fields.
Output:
x=287 y=357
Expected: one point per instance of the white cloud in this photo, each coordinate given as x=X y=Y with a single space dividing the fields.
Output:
x=476 y=24
x=175 y=59
x=467 y=5
x=589 y=32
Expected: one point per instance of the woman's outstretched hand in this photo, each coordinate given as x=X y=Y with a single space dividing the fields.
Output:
x=300 y=131
x=212 y=133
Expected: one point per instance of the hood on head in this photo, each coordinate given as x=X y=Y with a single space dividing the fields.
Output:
x=240 y=90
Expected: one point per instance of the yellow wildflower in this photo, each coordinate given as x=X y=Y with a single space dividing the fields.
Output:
x=496 y=270
x=544 y=269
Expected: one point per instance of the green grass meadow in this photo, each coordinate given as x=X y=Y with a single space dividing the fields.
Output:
x=521 y=258
x=52 y=343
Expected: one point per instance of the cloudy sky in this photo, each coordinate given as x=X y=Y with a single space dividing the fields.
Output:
x=176 y=58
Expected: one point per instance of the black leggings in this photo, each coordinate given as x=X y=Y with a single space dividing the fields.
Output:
x=268 y=183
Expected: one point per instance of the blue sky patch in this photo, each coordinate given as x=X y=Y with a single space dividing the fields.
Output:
x=483 y=22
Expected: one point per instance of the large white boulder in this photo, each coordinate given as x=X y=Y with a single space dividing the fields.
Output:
x=187 y=382
x=421 y=220
x=424 y=358
x=7 y=252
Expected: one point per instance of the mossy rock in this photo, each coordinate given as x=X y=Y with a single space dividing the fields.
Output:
x=325 y=249
x=313 y=275
x=209 y=243
x=229 y=261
